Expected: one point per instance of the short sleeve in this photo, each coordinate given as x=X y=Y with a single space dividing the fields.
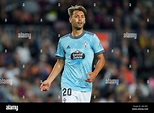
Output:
x=60 y=53
x=96 y=45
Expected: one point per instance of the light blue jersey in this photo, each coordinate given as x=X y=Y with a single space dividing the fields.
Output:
x=78 y=53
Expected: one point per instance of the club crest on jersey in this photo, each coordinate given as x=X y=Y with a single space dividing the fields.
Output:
x=77 y=55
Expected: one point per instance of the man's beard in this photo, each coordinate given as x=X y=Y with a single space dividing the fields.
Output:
x=78 y=28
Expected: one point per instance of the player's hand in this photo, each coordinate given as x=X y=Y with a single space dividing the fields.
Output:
x=45 y=85
x=92 y=76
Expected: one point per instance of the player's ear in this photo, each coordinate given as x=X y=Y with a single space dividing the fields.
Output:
x=84 y=21
x=70 y=19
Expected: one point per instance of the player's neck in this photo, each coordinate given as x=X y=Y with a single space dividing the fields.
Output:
x=76 y=33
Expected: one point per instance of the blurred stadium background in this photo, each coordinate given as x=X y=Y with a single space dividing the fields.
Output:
x=26 y=61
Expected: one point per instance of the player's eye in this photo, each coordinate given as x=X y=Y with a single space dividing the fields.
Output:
x=82 y=16
x=77 y=16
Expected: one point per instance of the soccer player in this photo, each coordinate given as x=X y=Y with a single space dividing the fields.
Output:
x=75 y=55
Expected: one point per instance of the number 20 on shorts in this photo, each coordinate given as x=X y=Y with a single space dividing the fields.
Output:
x=66 y=92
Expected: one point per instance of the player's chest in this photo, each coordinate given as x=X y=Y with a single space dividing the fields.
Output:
x=74 y=45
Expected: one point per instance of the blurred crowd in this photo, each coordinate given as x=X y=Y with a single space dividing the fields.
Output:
x=128 y=75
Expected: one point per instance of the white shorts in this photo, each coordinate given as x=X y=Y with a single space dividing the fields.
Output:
x=69 y=95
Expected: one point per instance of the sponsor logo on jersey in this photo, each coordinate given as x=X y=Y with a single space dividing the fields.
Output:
x=77 y=55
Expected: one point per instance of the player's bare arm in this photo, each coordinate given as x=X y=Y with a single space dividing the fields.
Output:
x=99 y=65
x=54 y=73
